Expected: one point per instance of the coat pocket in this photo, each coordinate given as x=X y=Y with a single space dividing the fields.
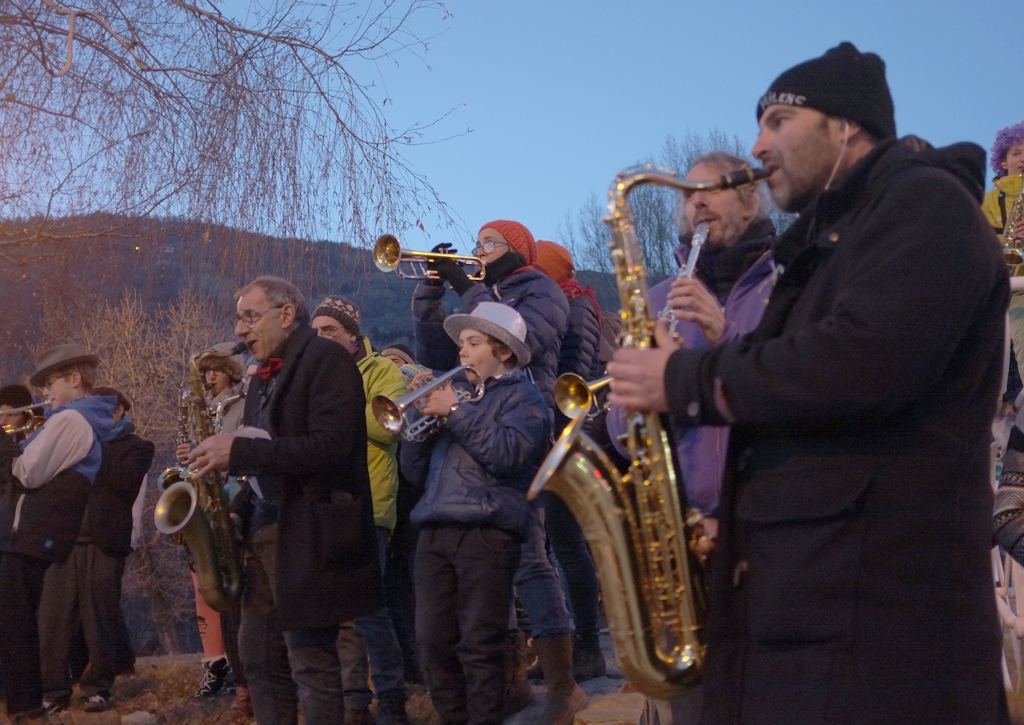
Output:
x=338 y=533
x=804 y=530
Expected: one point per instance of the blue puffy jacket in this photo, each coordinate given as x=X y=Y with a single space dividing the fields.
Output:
x=479 y=467
x=529 y=292
x=581 y=345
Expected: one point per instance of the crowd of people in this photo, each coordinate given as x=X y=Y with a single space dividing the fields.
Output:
x=831 y=389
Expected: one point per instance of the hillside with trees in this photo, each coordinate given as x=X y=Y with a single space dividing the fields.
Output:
x=145 y=298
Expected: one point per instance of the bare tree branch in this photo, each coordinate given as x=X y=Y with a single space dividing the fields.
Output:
x=272 y=122
x=654 y=208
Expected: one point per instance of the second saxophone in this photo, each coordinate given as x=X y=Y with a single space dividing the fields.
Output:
x=636 y=523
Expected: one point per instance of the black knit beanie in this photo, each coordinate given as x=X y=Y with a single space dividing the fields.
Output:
x=843 y=82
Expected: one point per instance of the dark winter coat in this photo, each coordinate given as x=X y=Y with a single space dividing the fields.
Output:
x=530 y=292
x=852 y=581
x=581 y=344
x=479 y=467
x=108 y=517
x=317 y=452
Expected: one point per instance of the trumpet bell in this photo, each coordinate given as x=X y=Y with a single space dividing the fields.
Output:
x=387 y=251
x=574 y=396
x=388 y=413
x=175 y=508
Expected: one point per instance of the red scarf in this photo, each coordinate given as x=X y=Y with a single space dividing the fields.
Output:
x=574 y=289
x=272 y=368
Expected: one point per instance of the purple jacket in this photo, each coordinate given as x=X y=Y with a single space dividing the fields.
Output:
x=701 y=451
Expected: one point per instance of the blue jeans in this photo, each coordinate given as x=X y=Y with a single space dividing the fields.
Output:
x=578 y=566
x=536 y=583
x=372 y=635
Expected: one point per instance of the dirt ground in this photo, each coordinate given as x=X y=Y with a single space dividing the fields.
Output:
x=163 y=686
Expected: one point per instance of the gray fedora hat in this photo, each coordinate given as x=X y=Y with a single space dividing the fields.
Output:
x=60 y=356
x=497 y=320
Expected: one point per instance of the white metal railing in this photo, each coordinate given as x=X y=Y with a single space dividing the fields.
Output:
x=1006 y=572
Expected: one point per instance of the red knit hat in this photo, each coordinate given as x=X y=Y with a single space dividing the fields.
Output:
x=517 y=235
x=555 y=261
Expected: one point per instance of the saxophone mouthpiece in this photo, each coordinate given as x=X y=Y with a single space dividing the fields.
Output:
x=742 y=177
x=239 y=348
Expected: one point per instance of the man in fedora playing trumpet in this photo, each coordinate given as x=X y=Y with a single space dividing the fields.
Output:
x=48 y=484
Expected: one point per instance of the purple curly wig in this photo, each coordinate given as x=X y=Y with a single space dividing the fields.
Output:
x=1007 y=137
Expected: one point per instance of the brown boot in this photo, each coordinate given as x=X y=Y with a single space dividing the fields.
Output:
x=518 y=693
x=359 y=716
x=242 y=704
x=565 y=698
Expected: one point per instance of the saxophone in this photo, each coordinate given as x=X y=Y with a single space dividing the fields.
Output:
x=1013 y=249
x=651 y=583
x=196 y=509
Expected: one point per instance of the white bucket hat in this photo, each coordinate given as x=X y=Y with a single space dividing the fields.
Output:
x=497 y=320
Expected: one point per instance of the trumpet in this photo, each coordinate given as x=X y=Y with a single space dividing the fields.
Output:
x=574 y=396
x=34 y=423
x=389 y=256
x=393 y=414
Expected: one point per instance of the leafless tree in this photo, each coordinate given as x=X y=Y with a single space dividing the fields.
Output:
x=586 y=236
x=144 y=355
x=269 y=117
x=654 y=209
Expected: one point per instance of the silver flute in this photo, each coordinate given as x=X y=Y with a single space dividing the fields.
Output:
x=700 y=235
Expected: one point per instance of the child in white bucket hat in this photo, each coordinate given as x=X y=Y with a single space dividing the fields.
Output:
x=473 y=515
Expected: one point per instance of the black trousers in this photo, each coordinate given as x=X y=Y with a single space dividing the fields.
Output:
x=83 y=591
x=285 y=669
x=463 y=588
x=21 y=586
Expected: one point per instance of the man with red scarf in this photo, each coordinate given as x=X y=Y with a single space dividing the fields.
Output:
x=580 y=354
x=581 y=344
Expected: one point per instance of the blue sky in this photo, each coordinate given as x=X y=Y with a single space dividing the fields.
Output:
x=561 y=95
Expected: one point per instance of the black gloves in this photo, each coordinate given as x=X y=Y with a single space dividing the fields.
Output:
x=449 y=270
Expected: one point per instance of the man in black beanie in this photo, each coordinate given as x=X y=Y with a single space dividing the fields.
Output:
x=851 y=582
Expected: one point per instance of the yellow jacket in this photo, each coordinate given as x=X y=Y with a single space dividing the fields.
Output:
x=381 y=377
x=1010 y=187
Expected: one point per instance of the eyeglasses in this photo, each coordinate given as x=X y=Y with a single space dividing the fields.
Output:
x=488 y=247
x=328 y=331
x=48 y=383
x=251 y=318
